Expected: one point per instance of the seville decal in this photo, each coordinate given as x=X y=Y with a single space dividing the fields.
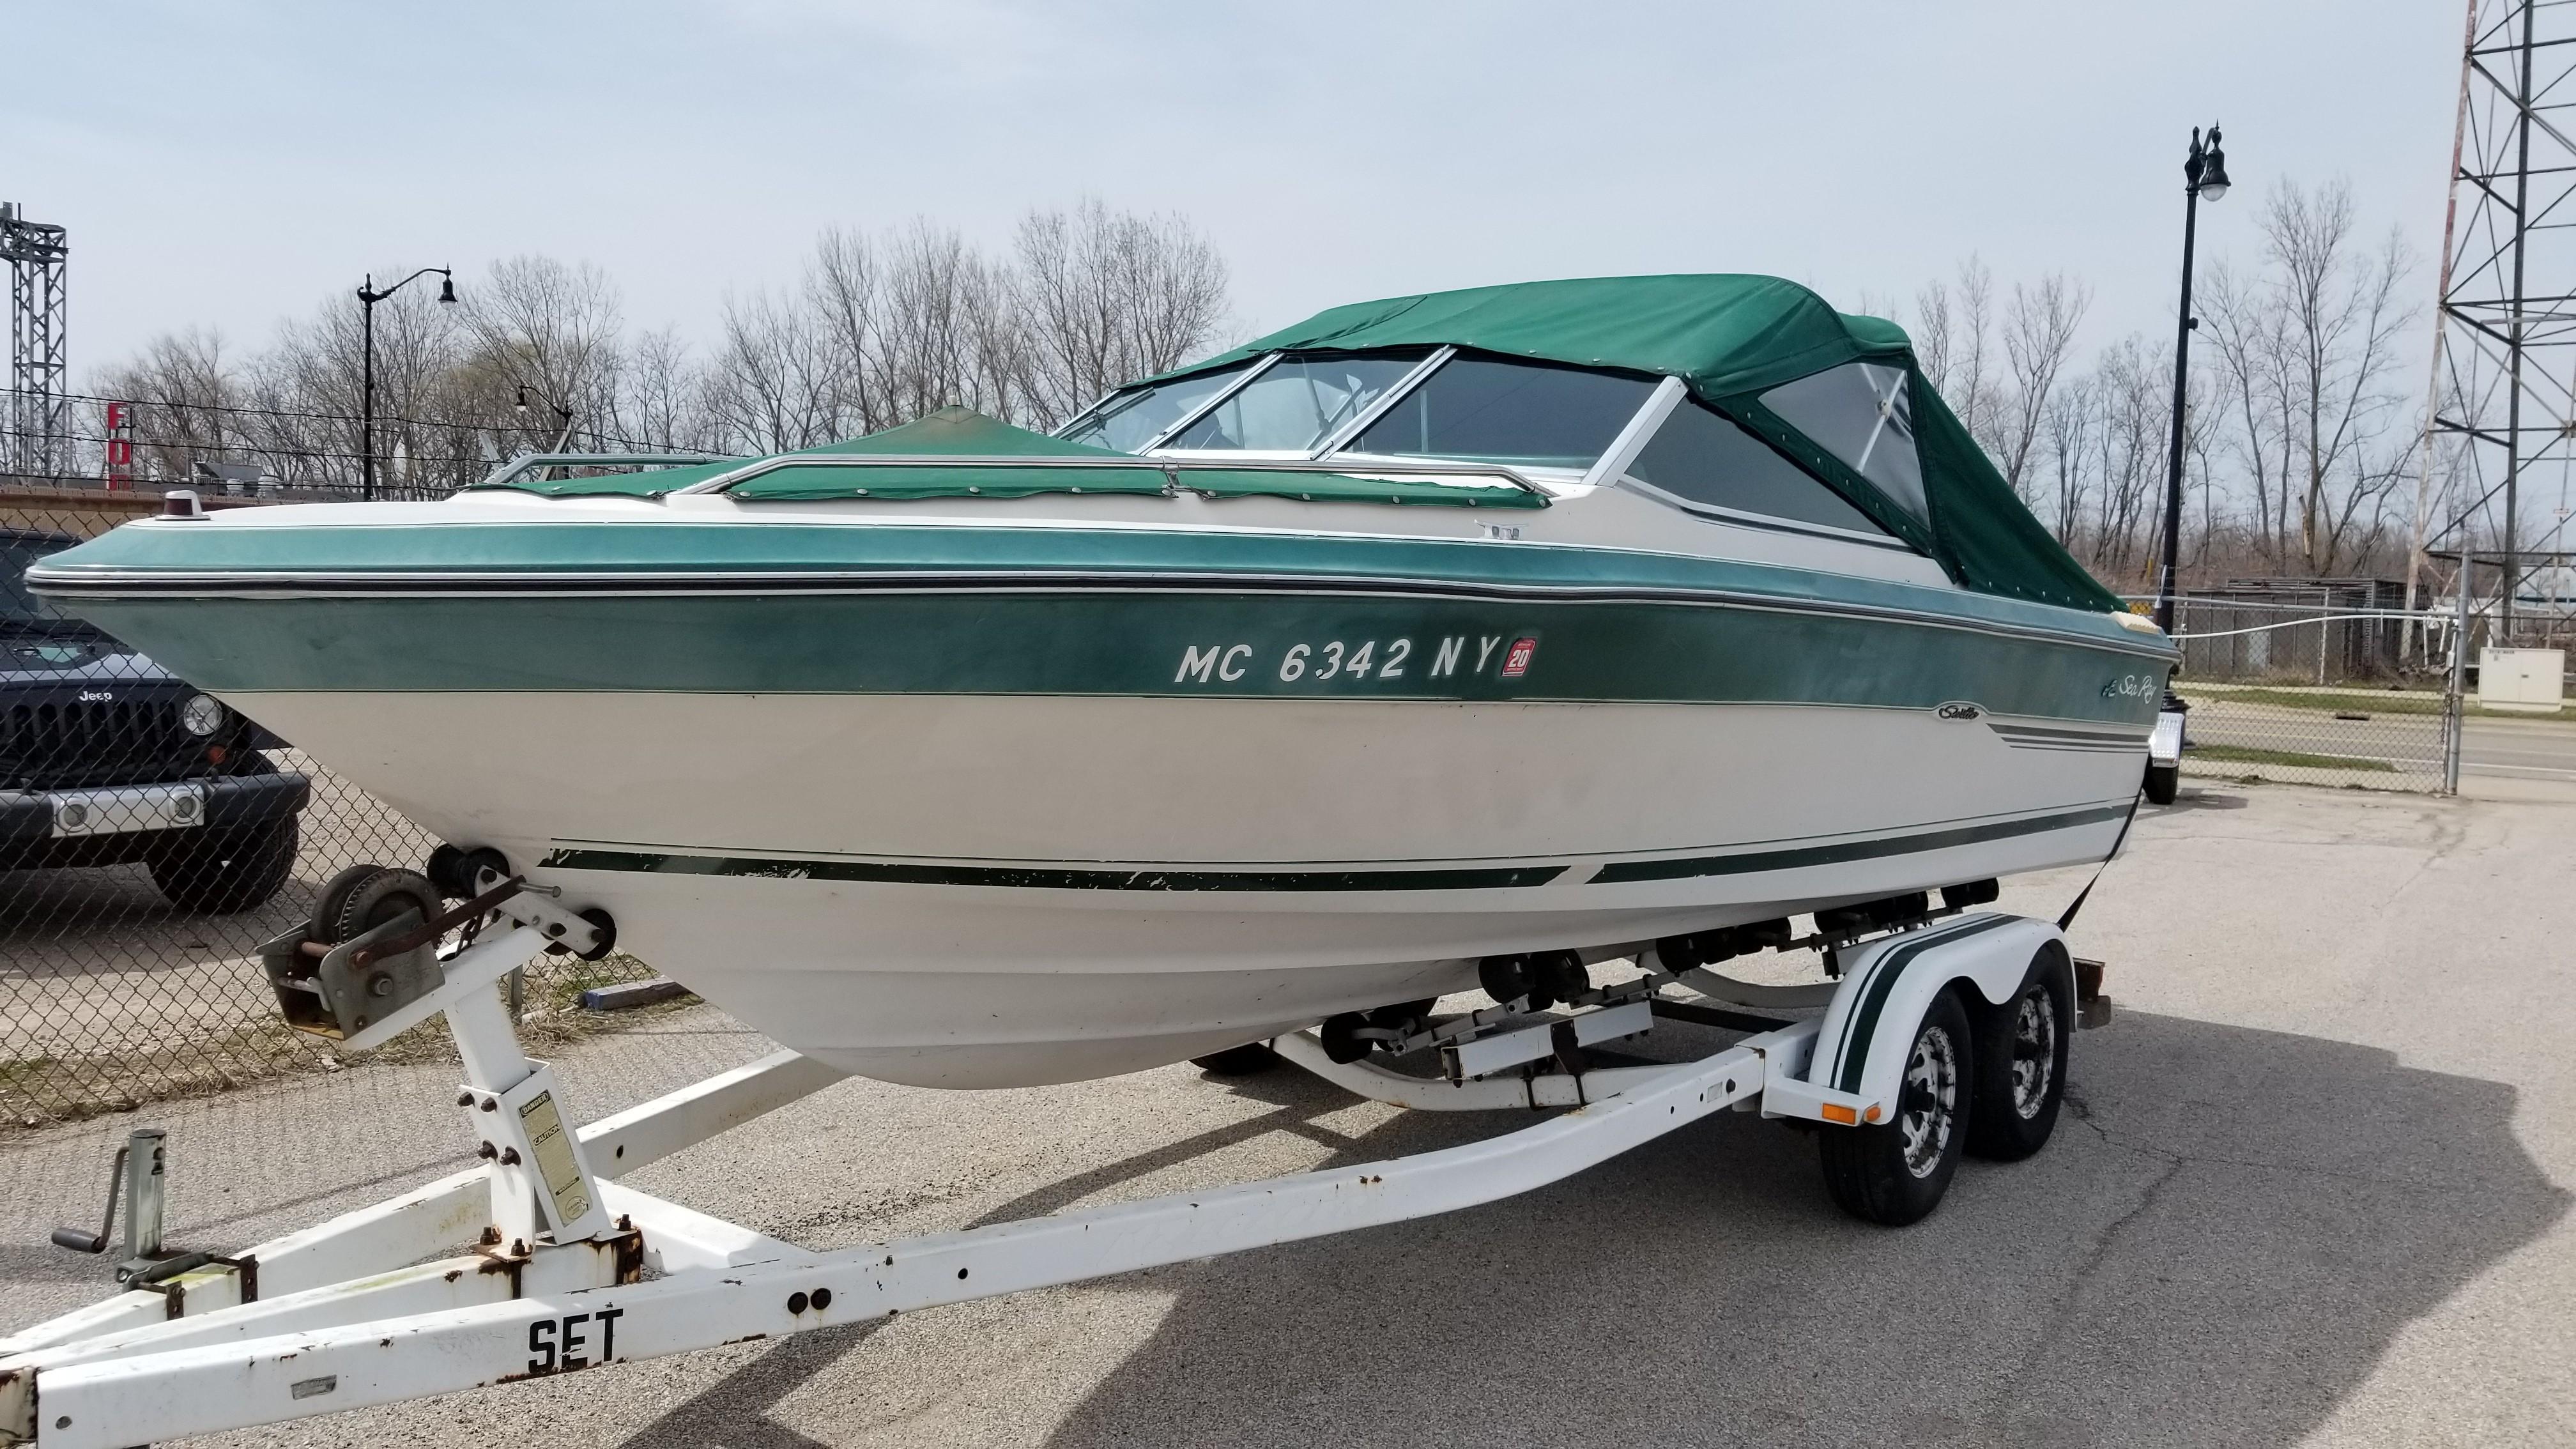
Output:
x=1960 y=709
x=1457 y=656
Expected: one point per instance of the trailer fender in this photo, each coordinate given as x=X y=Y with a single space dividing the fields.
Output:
x=1888 y=984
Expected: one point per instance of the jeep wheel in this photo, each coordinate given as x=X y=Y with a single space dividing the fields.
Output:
x=226 y=872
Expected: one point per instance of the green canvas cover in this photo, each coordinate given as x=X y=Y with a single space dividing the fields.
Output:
x=1731 y=338
x=964 y=433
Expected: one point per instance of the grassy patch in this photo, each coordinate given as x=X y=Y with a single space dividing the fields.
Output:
x=2288 y=759
x=36 y=1091
x=2353 y=701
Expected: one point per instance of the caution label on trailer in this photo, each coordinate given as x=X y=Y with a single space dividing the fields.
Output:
x=555 y=1164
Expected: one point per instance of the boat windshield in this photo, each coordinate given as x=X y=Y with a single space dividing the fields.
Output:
x=1139 y=415
x=1493 y=410
x=1299 y=401
x=17 y=551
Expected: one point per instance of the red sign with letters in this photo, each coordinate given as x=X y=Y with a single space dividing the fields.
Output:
x=1517 y=662
x=120 y=445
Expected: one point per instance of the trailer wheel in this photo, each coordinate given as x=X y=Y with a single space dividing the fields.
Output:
x=1895 y=1172
x=1240 y=1061
x=2021 y=1064
x=2163 y=783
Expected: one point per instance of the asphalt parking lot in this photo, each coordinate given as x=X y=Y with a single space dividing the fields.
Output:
x=2314 y=1189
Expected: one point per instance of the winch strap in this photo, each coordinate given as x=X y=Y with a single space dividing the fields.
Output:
x=2121 y=839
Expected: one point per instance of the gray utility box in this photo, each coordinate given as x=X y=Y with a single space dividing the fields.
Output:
x=2526 y=681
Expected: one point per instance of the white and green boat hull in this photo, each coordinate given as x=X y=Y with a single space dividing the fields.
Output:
x=977 y=803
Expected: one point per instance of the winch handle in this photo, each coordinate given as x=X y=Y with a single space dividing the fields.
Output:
x=81 y=1242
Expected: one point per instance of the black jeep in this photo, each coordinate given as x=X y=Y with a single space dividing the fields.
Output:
x=108 y=759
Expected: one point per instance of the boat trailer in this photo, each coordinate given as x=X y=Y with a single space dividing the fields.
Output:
x=1933 y=1035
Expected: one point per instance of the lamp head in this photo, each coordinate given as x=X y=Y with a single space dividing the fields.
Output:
x=446 y=287
x=2210 y=167
x=523 y=400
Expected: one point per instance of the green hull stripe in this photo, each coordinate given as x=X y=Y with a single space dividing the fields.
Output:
x=309 y=547
x=1135 y=644
x=1450 y=879
x=1024 y=878
x=1855 y=1059
x=1747 y=862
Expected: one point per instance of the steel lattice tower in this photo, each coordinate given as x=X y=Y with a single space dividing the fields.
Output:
x=2503 y=404
x=39 y=400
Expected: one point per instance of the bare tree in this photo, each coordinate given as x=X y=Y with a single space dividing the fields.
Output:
x=844 y=286
x=2343 y=324
x=2039 y=335
x=947 y=336
x=776 y=381
x=2071 y=418
x=1954 y=344
x=186 y=387
x=2130 y=389
x=551 y=330
x=1111 y=297
x=661 y=397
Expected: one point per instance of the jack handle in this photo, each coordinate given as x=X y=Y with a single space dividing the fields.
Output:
x=81 y=1242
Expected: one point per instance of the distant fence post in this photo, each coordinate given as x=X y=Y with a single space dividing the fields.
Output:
x=2454 y=694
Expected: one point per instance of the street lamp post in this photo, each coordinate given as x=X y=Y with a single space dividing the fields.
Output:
x=368 y=297
x=563 y=438
x=2204 y=174
x=563 y=415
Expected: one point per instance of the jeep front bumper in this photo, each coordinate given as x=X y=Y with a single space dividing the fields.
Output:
x=92 y=822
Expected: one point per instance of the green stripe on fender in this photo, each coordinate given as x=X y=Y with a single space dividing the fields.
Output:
x=1882 y=984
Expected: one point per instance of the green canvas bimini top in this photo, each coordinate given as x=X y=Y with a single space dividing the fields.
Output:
x=964 y=433
x=1733 y=337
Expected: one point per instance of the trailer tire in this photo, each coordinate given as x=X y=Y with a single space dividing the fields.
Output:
x=1242 y=1061
x=2021 y=1062
x=1894 y=1172
x=2163 y=783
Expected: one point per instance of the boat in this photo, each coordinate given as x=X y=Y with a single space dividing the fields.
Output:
x=1432 y=631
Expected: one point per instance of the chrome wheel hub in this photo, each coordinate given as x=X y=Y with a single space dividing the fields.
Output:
x=1928 y=1109
x=2034 y=1049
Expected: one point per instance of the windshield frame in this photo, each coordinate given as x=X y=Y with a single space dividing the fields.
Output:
x=1611 y=471
x=1098 y=411
x=1336 y=444
x=1555 y=474
x=1423 y=367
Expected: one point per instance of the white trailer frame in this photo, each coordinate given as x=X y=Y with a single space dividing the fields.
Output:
x=346 y=1314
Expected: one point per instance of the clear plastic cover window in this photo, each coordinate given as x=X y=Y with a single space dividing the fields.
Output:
x=1298 y=402
x=1702 y=457
x=1860 y=413
x=1137 y=416
x=17 y=551
x=1487 y=410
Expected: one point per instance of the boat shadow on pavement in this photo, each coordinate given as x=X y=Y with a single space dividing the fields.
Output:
x=2229 y=1230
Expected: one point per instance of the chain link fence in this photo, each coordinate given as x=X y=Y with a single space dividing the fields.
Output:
x=2330 y=683
x=150 y=840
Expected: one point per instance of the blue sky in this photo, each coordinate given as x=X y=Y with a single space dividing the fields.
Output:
x=229 y=162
